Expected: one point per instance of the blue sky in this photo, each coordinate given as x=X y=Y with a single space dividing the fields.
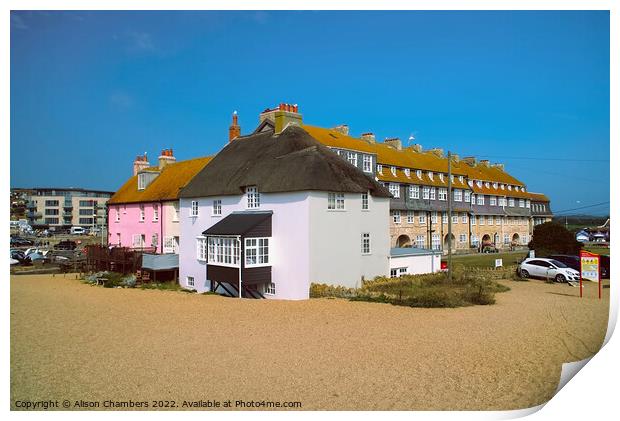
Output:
x=91 y=90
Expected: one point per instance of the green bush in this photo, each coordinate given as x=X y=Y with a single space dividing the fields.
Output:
x=551 y=238
x=467 y=287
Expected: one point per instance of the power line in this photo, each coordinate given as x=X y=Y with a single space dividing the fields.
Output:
x=582 y=207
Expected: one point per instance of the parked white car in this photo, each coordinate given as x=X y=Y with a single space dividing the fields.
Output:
x=547 y=269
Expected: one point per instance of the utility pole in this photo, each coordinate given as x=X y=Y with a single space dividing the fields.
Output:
x=449 y=216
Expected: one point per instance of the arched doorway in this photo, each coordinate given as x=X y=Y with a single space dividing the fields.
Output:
x=515 y=239
x=445 y=242
x=403 y=241
x=486 y=240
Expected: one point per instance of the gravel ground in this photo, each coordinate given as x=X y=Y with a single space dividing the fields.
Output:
x=74 y=341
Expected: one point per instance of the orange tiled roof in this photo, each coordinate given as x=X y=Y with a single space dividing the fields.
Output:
x=499 y=192
x=409 y=158
x=166 y=185
x=425 y=180
x=538 y=197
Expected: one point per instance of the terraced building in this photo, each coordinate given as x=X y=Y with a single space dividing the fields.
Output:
x=490 y=206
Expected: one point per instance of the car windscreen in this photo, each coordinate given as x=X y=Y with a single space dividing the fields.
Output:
x=558 y=263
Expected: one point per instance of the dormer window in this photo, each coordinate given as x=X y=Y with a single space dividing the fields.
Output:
x=502 y=187
x=430 y=175
x=441 y=177
x=471 y=183
x=487 y=184
x=380 y=169
x=495 y=186
x=479 y=183
x=461 y=178
x=418 y=173
x=408 y=172
x=252 y=197
x=393 y=170
x=141 y=181
x=452 y=178
x=509 y=187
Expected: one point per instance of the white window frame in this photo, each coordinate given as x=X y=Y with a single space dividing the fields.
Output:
x=436 y=242
x=141 y=181
x=252 y=197
x=193 y=212
x=481 y=220
x=458 y=195
x=511 y=202
x=455 y=218
x=433 y=193
x=464 y=217
x=521 y=203
x=170 y=245
x=367 y=163
x=142 y=214
x=395 y=190
x=259 y=251
x=366 y=245
x=422 y=218
x=444 y=217
x=434 y=217
x=393 y=170
x=418 y=174
x=155 y=213
x=408 y=172
x=216 y=210
x=365 y=201
x=414 y=192
x=380 y=169
x=466 y=196
x=420 y=241
x=270 y=288
x=492 y=200
x=335 y=201
x=443 y=194
x=352 y=158
x=410 y=217
x=201 y=248
x=223 y=251
x=480 y=200
x=190 y=282
x=396 y=216
x=140 y=241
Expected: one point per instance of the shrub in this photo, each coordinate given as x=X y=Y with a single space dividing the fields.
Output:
x=129 y=281
x=550 y=238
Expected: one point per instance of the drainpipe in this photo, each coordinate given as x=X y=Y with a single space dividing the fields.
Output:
x=240 y=262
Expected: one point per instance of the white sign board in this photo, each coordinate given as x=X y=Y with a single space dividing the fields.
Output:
x=498 y=263
x=532 y=254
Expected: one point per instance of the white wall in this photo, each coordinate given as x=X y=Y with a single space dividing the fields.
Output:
x=417 y=264
x=335 y=240
x=309 y=243
x=288 y=247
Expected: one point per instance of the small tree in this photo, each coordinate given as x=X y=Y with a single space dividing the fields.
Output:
x=550 y=238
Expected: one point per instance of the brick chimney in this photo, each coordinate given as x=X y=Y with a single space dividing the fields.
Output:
x=416 y=147
x=140 y=163
x=234 y=131
x=499 y=166
x=394 y=142
x=470 y=160
x=342 y=128
x=282 y=116
x=166 y=158
x=437 y=152
x=484 y=162
x=455 y=157
x=368 y=137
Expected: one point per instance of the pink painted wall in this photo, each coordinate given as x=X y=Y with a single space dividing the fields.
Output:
x=128 y=223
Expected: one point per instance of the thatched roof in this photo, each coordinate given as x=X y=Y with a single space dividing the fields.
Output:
x=288 y=162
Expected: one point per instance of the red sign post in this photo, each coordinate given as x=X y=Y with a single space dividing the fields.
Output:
x=590 y=264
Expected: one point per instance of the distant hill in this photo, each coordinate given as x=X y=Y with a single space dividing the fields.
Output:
x=577 y=222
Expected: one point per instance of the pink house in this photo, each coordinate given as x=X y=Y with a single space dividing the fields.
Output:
x=144 y=212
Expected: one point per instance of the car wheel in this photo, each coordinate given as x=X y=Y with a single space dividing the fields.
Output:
x=560 y=278
x=525 y=273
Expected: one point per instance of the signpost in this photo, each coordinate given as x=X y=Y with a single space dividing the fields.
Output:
x=498 y=263
x=590 y=264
